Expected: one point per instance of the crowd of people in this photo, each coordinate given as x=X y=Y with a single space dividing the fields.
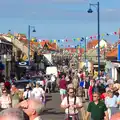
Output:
x=76 y=88
x=17 y=105
x=101 y=94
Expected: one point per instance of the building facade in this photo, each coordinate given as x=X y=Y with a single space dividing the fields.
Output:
x=6 y=56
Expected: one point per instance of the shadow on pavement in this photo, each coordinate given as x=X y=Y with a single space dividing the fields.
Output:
x=52 y=111
x=48 y=99
x=48 y=96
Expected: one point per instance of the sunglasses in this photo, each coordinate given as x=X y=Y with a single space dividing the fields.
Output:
x=71 y=92
x=95 y=96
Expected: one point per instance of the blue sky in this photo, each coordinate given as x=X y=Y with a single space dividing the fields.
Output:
x=58 y=19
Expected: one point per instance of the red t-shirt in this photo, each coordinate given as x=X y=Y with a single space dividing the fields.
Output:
x=7 y=84
x=103 y=96
x=63 y=84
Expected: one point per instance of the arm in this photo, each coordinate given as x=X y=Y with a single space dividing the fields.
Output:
x=78 y=103
x=43 y=95
x=87 y=116
x=118 y=100
x=106 y=115
x=64 y=104
x=9 y=99
x=88 y=112
x=106 y=103
x=83 y=113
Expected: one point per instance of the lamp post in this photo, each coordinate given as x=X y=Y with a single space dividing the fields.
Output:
x=29 y=31
x=85 y=57
x=98 y=30
x=84 y=39
x=85 y=54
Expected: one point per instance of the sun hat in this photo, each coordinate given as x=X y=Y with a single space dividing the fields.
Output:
x=70 y=86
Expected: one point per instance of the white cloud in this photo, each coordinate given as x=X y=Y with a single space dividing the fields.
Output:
x=111 y=10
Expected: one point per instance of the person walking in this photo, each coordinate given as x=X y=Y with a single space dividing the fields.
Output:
x=62 y=87
x=15 y=95
x=90 y=90
x=38 y=93
x=32 y=107
x=28 y=93
x=97 y=109
x=5 y=100
x=111 y=103
x=86 y=87
x=72 y=105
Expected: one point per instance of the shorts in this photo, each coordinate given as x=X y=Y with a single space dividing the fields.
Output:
x=62 y=91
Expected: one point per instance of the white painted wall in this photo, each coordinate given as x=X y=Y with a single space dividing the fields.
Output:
x=103 y=43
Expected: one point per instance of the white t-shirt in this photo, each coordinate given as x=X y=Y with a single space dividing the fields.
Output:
x=111 y=102
x=52 y=78
x=38 y=93
x=71 y=102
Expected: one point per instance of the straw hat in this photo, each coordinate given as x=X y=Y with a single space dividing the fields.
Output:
x=70 y=86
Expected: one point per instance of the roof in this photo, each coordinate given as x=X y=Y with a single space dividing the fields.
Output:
x=73 y=50
x=92 y=43
x=80 y=51
x=5 y=41
x=112 y=53
x=51 y=46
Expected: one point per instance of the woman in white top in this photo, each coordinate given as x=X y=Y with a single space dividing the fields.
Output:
x=38 y=93
x=111 y=103
x=5 y=100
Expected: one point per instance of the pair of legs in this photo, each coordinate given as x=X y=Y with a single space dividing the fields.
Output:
x=62 y=93
x=86 y=93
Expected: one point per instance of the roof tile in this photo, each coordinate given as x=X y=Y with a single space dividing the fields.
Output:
x=112 y=53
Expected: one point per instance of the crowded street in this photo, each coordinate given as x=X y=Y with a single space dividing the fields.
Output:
x=55 y=112
x=59 y=60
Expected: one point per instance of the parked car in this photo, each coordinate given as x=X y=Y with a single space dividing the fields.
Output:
x=38 y=79
x=21 y=84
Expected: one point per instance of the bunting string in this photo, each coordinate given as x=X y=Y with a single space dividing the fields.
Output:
x=65 y=42
x=75 y=39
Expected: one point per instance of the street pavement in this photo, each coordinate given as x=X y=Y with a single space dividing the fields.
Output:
x=53 y=110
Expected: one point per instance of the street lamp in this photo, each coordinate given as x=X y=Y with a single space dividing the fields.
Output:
x=29 y=31
x=98 y=30
x=85 y=50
